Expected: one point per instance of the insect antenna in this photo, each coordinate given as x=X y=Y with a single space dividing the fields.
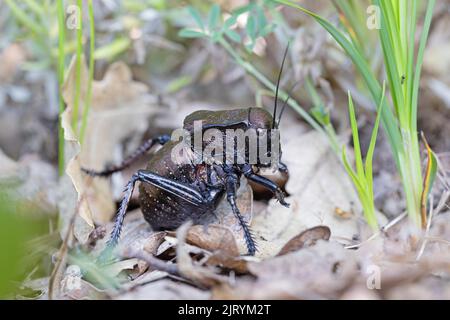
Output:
x=286 y=101
x=278 y=85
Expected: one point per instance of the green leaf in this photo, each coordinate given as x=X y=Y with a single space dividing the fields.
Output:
x=213 y=16
x=190 y=33
x=196 y=16
x=178 y=84
x=233 y=35
x=249 y=46
x=229 y=22
x=251 y=28
x=243 y=9
x=261 y=17
x=373 y=140
x=113 y=49
x=318 y=111
x=355 y=135
x=216 y=36
x=419 y=60
x=351 y=172
x=266 y=30
x=24 y=18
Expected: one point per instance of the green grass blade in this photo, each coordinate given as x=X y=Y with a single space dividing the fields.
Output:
x=356 y=145
x=370 y=151
x=35 y=7
x=411 y=51
x=388 y=119
x=76 y=103
x=392 y=59
x=353 y=175
x=419 y=61
x=61 y=65
x=24 y=18
x=88 y=102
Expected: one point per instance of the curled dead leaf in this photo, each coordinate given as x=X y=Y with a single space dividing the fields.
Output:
x=307 y=238
x=117 y=102
x=213 y=238
x=203 y=276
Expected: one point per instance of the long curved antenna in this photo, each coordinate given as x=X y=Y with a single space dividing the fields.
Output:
x=286 y=101
x=278 y=85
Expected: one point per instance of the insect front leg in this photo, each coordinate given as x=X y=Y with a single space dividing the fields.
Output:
x=282 y=167
x=231 y=186
x=176 y=188
x=130 y=159
x=269 y=184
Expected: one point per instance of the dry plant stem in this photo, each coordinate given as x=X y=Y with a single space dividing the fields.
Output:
x=385 y=228
x=56 y=276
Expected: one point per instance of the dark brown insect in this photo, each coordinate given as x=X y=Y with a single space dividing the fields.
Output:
x=171 y=192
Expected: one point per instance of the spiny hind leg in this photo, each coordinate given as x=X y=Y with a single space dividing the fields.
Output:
x=173 y=187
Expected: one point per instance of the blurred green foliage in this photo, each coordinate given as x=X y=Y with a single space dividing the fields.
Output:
x=19 y=226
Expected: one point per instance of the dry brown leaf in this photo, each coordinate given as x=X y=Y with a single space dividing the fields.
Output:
x=71 y=185
x=213 y=238
x=307 y=238
x=11 y=57
x=75 y=288
x=203 y=276
x=153 y=242
x=317 y=272
x=120 y=108
x=237 y=264
x=136 y=235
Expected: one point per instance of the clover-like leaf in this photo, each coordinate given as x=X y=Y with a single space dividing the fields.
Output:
x=233 y=35
x=191 y=33
x=213 y=17
x=196 y=16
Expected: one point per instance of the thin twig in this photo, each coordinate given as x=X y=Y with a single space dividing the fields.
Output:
x=55 y=277
x=382 y=230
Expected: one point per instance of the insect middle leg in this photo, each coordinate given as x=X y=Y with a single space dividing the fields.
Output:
x=231 y=186
x=130 y=159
